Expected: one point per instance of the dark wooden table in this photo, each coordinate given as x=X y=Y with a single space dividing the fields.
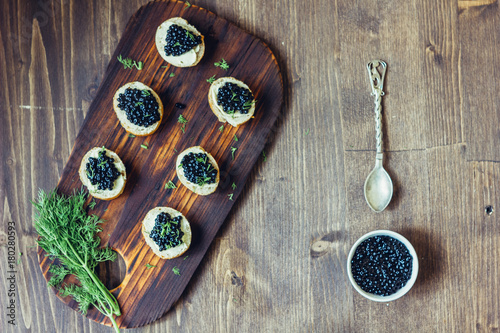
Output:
x=279 y=261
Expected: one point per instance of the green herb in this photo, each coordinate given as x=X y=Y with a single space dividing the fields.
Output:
x=222 y=64
x=233 y=150
x=148 y=266
x=202 y=180
x=90 y=174
x=177 y=43
x=176 y=270
x=175 y=150
x=170 y=185
x=19 y=260
x=106 y=209
x=307 y=131
x=131 y=135
x=190 y=35
x=182 y=121
x=221 y=129
x=164 y=66
x=211 y=79
x=68 y=234
x=233 y=185
x=234 y=95
x=235 y=138
x=185 y=257
x=230 y=112
x=145 y=92
x=187 y=5
x=138 y=103
x=171 y=74
x=145 y=146
x=92 y=204
x=202 y=160
x=102 y=163
x=230 y=196
x=129 y=63
x=264 y=155
x=180 y=166
x=248 y=104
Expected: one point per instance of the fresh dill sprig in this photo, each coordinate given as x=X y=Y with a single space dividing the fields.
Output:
x=222 y=64
x=148 y=266
x=233 y=150
x=201 y=181
x=171 y=75
x=176 y=270
x=131 y=135
x=233 y=185
x=183 y=121
x=211 y=79
x=190 y=35
x=230 y=196
x=170 y=185
x=129 y=63
x=145 y=145
x=68 y=234
x=187 y=5
x=235 y=138
x=221 y=129
x=248 y=104
x=264 y=155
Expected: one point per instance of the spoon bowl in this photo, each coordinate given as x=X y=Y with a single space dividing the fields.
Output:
x=378 y=188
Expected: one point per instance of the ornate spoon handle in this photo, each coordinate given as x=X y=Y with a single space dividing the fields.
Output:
x=377 y=83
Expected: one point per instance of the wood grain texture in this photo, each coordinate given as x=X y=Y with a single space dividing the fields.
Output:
x=278 y=262
x=146 y=294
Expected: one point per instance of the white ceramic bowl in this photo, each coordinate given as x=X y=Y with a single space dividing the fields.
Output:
x=407 y=286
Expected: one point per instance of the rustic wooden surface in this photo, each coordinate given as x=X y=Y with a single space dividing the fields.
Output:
x=278 y=263
x=146 y=294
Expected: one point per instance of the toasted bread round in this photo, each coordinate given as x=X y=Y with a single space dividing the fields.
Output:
x=122 y=116
x=235 y=119
x=119 y=183
x=149 y=222
x=201 y=190
x=188 y=59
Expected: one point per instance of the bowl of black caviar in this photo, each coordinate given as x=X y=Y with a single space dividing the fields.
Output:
x=382 y=265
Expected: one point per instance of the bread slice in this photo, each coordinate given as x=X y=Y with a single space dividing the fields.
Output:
x=122 y=116
x=234 y=119
x=201 y=190
x=118 y=185
x=188 y=59
x=149 y=222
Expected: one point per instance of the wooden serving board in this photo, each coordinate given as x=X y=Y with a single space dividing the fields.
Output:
x=147 y=294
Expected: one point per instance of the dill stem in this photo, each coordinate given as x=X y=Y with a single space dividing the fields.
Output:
x=113 y=303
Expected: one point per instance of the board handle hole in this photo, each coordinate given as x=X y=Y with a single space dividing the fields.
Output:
x=112 y=273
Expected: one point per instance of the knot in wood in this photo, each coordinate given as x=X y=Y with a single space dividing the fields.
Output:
x=320 y=248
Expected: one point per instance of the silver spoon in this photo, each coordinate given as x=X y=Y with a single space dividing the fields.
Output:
x=378 y=185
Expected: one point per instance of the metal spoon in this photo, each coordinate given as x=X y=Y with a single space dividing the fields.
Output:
x=378 y=185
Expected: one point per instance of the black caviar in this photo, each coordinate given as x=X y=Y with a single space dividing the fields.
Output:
x=167 y=231
x=233 y=98
x=198 y=169
x=381 y=265
x=102 y=171
x=140 y=106
x=180 y=40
